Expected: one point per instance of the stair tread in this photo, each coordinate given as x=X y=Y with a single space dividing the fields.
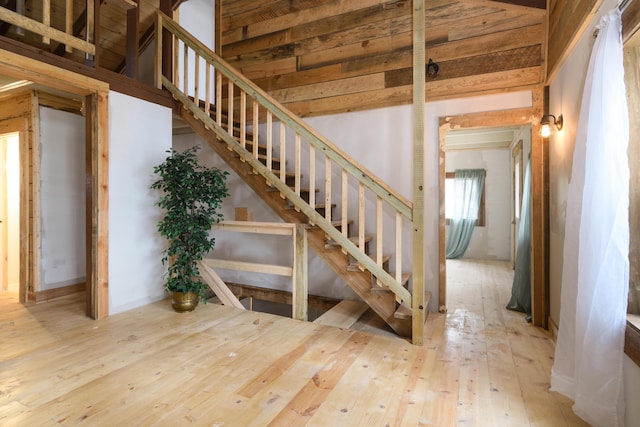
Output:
x=355 y=265
x=404 y=281
x=331 y=244
x=403 y=312
x=317 y=206
x=302 y=190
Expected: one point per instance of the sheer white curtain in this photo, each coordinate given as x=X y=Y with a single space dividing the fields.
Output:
x=595 y=275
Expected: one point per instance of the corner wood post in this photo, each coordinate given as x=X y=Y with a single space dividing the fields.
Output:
x=300 y=273
x=418 y=297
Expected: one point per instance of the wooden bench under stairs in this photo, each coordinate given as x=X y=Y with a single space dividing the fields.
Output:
x=265 y=145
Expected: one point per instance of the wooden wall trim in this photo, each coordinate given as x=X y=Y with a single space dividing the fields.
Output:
x=632 y=343
x=49 y=294
x=630 y=21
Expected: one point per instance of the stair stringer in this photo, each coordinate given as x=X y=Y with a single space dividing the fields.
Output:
x=359 y=281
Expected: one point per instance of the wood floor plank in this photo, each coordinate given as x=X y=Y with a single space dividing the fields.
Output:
x=304 y=405
x=481 y=365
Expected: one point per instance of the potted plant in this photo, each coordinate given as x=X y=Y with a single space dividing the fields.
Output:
x=192 y=196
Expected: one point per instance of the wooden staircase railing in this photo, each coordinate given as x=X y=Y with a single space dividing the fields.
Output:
x=242 y=115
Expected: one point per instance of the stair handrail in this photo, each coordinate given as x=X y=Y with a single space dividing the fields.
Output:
x=398 y=202
x=362 y=174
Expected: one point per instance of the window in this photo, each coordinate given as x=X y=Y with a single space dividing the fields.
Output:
x=449 y=195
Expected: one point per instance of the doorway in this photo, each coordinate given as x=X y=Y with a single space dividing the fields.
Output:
x=9 y=212
x=516 y=117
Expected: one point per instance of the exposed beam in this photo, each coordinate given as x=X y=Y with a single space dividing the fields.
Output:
x=535 y=6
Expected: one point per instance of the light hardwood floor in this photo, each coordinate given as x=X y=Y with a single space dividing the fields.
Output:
x=481 y=366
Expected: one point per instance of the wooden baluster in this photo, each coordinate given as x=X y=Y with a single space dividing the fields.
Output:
x=176 y=55
x=256 y=124
x=283 y=153
x=297 y=167
x=379 y=231
x=68 y=22
x=379 y=234
x=360 y=239
x=361 y=216
x=196 y=80
x=185 y=66
x=230 y=101
x=207 y=85
x=269 y=140
x=345 y=206
x=398 y=247
x=327 y=188
x=219 y=98
x=46 y=18
x=312 y=176
x=159 y=46
x=243 y=119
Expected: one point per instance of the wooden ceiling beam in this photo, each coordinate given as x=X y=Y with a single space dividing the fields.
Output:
x=531 y=6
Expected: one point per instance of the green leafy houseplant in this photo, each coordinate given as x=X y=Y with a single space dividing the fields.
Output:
x=191 y=197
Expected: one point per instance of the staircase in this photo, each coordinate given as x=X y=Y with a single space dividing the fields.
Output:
x=348 y=209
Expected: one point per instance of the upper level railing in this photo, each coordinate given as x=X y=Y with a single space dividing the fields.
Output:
x=226 y=101
x=38 y=20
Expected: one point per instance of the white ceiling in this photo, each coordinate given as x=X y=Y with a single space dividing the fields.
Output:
x=483 y=138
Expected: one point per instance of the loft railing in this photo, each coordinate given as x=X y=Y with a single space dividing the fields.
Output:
x=39 y=22
x=230 y=104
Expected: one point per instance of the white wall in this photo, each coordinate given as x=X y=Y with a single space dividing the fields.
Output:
x=565 y=97
x=139 y=135
x=198 y=18
x=62 y=176
x=493 y=241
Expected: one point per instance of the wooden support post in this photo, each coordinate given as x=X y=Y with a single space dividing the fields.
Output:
x=418 y=297
x=300 y=274
x=539 y=215
x=166 y=7
x=133 y=40
x=68 y=22
x=94 y=31
x=97 y=202
x=46 y=18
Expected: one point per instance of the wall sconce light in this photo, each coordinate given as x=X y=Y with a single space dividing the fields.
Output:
x=432 y=68
x=547 y=121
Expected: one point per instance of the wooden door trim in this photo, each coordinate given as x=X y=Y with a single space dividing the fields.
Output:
x=522 y=116
x=97 y=296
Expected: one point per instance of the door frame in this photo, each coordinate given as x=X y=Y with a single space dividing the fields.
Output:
x=539 y=195
x=96 y=96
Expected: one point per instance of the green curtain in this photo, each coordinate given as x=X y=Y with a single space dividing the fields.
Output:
x=521 y=288
x=468 y=186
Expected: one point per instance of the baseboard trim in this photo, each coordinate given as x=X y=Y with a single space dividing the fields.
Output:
x=49 y=294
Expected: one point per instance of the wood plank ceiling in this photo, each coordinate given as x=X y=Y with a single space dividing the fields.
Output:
x=330 y=56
